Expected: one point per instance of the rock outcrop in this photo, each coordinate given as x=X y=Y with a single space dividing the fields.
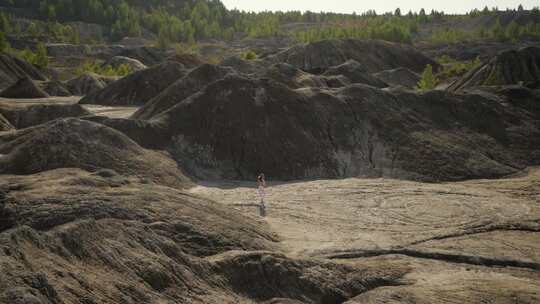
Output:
x=139 y=87
x=373 y=55
x=12 y=69
x=510 y=67
x=24 y=88
x=74 y=143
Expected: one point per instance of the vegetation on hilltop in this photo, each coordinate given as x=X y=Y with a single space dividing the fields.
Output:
x=188 y=21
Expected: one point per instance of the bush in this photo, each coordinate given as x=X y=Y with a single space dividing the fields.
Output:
x=428 y=80
x=4 y=44
x=96 y=68
x=250 y=55
x=39 y=58
x=455 y=68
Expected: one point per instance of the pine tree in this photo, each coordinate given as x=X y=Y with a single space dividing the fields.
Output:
x=520 y=8
x=498 y=31
x=41 y=59
x=428 y=80
x=4 y=44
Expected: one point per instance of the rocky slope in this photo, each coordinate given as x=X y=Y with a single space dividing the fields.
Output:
x=73 y=143
x=239 y=125
x=24 y=88
x=188 y=85
x=24 y=116
x=373 y=55
x=356 y=73
x=399 y=77
x=5 y=125
x=510 y=67
x=12 y=69
x=139 y=87
x=70 y=236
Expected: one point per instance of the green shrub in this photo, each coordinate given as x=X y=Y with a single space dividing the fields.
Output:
x=455 y=68
x=96 y=68
x=39 y=58
x=250 y=55
x=428 y=80
x=4 y=44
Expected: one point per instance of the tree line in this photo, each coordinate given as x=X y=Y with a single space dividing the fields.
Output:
x=189 y=21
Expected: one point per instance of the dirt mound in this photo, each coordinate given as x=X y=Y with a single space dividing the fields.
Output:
x=373 y=55
x=356 y=73
x=246 y=66
x=148 y=56
x=238 y=125
x=511 y=67
x=87 y=83
x=399 y=77
x=24 y=88
x=139 y=87
x=134 y=64
x=65 y=231
x=12 y=69
x=5 y=125
x=54 y=88
x=148 y=134
x=295 y=78
x=82 y=144
x=188 y=60
x=190 y=84
x=32 y=115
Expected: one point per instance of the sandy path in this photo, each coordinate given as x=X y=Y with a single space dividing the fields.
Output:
x=497 y=218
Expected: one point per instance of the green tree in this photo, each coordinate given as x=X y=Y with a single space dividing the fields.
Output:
x=428 y=80
x=498 y=31
x=4 y=44
x=41 y=59
x=520 y=8
x=163 y=40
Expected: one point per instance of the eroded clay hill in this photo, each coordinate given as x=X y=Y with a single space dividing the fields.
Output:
x=73 y=143
x=139 y=87
x=101 y=202
x=373 y=55
x=510 y=67
x=240 y=125
x=12 y=69
x=5 y=125
x=69 y=236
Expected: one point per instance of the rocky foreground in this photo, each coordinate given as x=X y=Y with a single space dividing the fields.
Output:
x=133 y=192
